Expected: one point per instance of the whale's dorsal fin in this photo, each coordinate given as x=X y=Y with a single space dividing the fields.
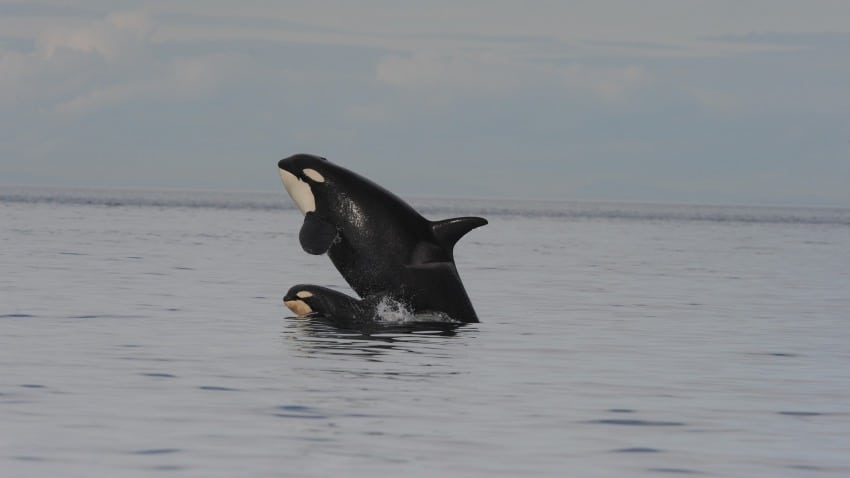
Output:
x=317 y=235
x=449 y=231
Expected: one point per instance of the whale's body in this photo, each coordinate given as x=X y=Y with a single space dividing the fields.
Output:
x=371 y=313
x=379 y=243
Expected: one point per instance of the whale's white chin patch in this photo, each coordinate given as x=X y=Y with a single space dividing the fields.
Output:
x=299 y=191
x=299 y=307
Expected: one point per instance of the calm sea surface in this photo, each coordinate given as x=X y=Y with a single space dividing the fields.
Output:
x=143 y=334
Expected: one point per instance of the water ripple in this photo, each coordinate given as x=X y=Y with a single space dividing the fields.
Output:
x=157 y=451
x=216 y=388
x=635 y=422
x=299 y=411
x=637 y=449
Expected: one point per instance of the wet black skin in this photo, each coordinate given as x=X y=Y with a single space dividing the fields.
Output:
x=340 y=309
x=380 y=244
x=347 y=312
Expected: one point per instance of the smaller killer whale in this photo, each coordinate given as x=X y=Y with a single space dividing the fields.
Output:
x=314 y=301
x=307 y=300
x=379 y=243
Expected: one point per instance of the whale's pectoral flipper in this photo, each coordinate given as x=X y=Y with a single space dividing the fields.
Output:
x=449 y=231
x=317 y=235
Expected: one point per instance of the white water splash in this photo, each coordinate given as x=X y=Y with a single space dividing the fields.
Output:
x=392 y=312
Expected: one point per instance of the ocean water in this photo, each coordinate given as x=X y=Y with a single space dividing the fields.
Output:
x=143 y=334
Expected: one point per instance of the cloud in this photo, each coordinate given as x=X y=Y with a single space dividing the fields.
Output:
x=107 y=62
x=181 y=79
x=493 y=74
x=583 y=92
x=112 y=38
x=69 y=61
x=606 y=83
x=484 y=73
x=717 y=101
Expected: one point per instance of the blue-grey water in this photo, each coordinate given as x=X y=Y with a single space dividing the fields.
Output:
x=142 y=333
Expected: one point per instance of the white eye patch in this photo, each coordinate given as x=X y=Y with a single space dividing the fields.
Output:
x=314 y=175
x=303 y=294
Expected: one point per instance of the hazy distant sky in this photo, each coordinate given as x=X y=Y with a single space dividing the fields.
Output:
x=740 y=101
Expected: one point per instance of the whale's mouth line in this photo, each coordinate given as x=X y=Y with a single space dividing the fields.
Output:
x=299 y=191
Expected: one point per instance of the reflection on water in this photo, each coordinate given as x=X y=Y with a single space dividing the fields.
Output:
x=315 y=336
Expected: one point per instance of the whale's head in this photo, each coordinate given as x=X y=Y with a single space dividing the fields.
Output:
x=303 y=178
x=317 y=187
x=298 y=300
x=341 y=206
x=307 y=300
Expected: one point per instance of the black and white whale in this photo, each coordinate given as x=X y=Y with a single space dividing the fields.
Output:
x=380 y=244
x=307 y=300
x=314 y=301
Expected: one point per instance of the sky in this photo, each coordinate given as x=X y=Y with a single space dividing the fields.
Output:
x=707 y=101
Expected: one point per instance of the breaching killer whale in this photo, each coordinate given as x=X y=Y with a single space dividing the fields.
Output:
x=380 y=244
